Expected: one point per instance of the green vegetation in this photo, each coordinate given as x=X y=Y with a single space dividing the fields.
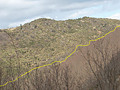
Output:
x=44 y=40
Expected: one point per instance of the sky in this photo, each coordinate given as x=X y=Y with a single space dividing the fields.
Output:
x=16 y=12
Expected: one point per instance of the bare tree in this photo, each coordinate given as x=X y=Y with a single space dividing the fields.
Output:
x=104 y=63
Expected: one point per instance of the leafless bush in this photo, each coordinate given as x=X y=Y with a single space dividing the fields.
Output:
x=104 y=63
x=53 y=78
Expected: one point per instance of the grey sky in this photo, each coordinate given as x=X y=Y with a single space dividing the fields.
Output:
x=15 y=12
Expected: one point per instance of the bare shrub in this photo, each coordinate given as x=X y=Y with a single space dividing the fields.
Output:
x=104 y=63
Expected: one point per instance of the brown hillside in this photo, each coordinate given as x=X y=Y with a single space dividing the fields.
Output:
x=78 y=62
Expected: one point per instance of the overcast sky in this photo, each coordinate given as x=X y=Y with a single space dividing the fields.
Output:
x=16 y=12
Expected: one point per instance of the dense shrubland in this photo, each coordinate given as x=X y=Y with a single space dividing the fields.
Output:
x=43 y=41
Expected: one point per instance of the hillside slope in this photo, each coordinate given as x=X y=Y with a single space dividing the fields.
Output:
x=43 y=41
x=101 y=57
